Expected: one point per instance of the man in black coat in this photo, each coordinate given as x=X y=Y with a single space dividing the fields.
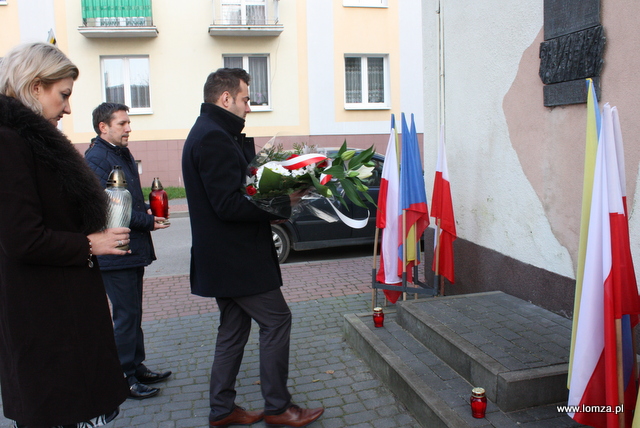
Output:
x=122 y=276
x=233 y=257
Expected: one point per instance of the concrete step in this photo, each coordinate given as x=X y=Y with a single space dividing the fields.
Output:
x=517 y=351
x=428 y=385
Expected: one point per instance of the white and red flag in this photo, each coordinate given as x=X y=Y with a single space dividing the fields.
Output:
x=602 y=374
x=387 y=217
x=442 y=211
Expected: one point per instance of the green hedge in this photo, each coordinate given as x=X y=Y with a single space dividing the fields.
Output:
x=172 y=192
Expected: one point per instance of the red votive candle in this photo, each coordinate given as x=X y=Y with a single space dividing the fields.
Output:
x=378 y=317
x=478 y=403
x=158 y=200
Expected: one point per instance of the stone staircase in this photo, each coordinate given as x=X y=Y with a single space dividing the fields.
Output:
x=431 y=352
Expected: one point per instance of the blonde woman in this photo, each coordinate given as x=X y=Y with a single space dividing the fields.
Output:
x=58 y=359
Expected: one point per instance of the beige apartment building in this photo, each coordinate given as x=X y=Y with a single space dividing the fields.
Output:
x=322 y=71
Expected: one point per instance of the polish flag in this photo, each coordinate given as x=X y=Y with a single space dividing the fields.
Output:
x=442 y=211
x=387 y=217
x=602 y=361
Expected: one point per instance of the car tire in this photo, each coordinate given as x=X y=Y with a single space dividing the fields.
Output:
x=281 y=241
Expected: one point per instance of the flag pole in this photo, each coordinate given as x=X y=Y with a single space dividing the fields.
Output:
x=437 y=280
x=620 y=369
x=374 y=294
x=404 y=254
x=635 y=356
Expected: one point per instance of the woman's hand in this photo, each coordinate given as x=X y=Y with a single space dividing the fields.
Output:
x=105 y=242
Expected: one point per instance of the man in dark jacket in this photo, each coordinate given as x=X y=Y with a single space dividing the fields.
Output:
x=122 y=276
x=233 y=257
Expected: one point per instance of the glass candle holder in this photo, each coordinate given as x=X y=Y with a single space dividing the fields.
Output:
x=119 y=201
x=158 y=200
x=378 y=317
x=478 y=403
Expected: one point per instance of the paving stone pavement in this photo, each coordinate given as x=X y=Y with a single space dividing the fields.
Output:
x=180 y=332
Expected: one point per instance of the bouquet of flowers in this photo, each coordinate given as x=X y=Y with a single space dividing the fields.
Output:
x=275 y=173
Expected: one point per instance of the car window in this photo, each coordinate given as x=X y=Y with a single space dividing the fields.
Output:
x=376 y=175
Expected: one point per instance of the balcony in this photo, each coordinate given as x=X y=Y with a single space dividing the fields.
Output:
x=117 y=18
x=246 y=18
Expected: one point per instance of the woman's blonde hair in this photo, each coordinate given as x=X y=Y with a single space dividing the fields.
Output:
x=26 y=65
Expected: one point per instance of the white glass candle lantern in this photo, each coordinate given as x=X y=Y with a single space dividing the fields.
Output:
x=119 y=201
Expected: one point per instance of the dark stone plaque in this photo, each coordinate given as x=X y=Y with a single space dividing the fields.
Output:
x=573 y=56
x=573 y=92
x=566 y=16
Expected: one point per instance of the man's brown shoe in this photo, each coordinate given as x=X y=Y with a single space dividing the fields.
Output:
x=239 y=416
x=294 y=416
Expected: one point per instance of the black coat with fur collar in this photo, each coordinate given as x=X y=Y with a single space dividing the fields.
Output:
x=58 y=360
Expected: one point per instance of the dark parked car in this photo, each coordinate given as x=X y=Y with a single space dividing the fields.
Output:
x=306 y=231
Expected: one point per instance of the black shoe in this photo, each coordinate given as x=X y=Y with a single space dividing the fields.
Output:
x=140 y=391
x=149 y=377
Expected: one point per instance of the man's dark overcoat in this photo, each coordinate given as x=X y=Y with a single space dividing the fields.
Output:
x=232 y=252
x=58 y=359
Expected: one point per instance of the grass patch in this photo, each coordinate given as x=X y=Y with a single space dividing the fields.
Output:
x=172 y=192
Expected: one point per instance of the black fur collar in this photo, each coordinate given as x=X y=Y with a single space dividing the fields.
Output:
x=53 y=148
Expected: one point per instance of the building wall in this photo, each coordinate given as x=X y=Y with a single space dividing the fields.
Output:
x=306 y=65
x=516 y=166
x=10 y=26
x=336 y=31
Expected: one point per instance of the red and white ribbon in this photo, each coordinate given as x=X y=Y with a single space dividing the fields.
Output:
x=325 y=178
x=302 y=161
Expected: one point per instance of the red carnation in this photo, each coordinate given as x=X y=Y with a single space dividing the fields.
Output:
x=251 y=190
x=253 y=170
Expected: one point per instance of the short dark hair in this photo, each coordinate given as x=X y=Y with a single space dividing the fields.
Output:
x=224 y=79
x=104 y=113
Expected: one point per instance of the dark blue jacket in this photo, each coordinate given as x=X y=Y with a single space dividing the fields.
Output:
x=102 y=157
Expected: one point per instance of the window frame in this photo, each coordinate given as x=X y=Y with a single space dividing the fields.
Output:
x=245 y=66
x=126 y=72
x=365 y=104
x=366 y=3
x=243 y=10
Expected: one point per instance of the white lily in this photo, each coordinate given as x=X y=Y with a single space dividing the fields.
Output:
x=364 y=172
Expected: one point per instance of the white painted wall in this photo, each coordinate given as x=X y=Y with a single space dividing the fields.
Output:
x=36 y=19
x=495 y=205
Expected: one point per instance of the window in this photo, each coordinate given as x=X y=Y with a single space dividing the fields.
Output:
x=258 y=68
x=366 y=82
x=244 y=12
x=125 y=80
x=364 y=3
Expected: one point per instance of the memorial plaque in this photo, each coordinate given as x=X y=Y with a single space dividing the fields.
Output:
x=567 y=16
x=573 y=50
x=565 y=93
x=573 y=56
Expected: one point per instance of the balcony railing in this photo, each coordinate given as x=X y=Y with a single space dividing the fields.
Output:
x=117 y=18
x=246 y=18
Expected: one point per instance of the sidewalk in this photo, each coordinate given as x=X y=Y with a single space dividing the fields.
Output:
x=180 y=334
